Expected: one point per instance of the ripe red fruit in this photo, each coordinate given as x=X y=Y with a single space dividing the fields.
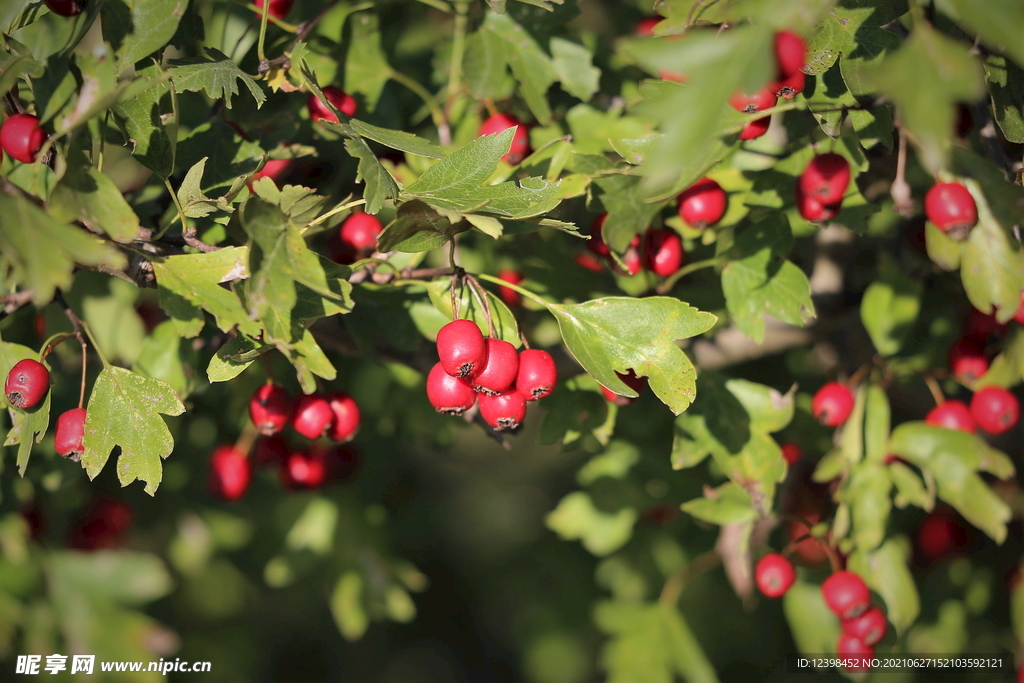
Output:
x=814 y=211
x=980 y=326
x=27 y=383
x=537 y=374
x=272 y=450
x=520 y=139
x=809 y=551
x=588 y=261
x=750 y=104
x=774 y=575
x=702 y=204
x=868 y=628
x=103 y=525
x=449 y=395
x=510 y=296
x=826 y=178
x=631 y=259
x=230 y=473
x=995 y=409
x=637 y=384
x=857 y=654
x=791 y=453
x=304 y=470
x=346 y=417
x=951 y=415
x=941 y=533
x=951 y=208
x=341 y=100
x=66 y=8
x=645 y=27
x=278 y=8
x=663 y=251
x=1019 y=315
x=313 y=416
x=461 y=348
x=832 y=404
x=967 y=360
x=67 y=439
x=596 y=243
x=756 y=128
x=503 y=411
x=499 y=370
x=21 y=137
x=790 y=56
x=273 y=169
x=846 y=594
x=270 y=408
x=359 y=232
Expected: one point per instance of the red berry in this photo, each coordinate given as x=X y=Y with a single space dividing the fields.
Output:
x=103 y=525
x=503 y=411
x=537 y=374
x=791 y=453
x=846 y=594
x=940 y=534
x=66 y=8
x=868 y=628
x=980 y=326
x=756 y=128
x=703 y=203
x=520 y=139
x=270 y=408
x=751 y=104
x=278 y=8
x=596 y=243
x=826 y=178
x=637 y=384
x=858 y=656
x=341 y=100
x=790 y=56
x=500 y=369
x=313 y=416
x=774 y=575
x=67 y=439
x=449 y=395
x=645 y=27
x=271 y=451
x=359 y=232
x=304 y=470
x=632 y=260
x=809 y=551
x=1019 y=315
x=273 y=169
x=951 y=415
x=230 y=472
x=588 y=261
x=995 y=409
x=346 y=417
x=21 y=137
x=663 y=252
x=967 y=360
x=814 y=211
x=461 y=348
x=27 y=383
x=832 y=404
x=510 y=296
x=951 y=208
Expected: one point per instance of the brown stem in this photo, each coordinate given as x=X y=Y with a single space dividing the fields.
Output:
x=480 y=294
x=859 y=375
x=902 y=198
x=673 y=587
x=247 y=438
x=301 y=33
x=189 y=235
x=935 y=389
x=58 y=296
x=13 y=301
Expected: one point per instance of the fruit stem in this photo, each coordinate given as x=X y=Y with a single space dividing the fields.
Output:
x=675 y=277
x=264 y=15
x=444 y=134
x=675 y=583
x=482 y=299
x=58 y=296
x=247 y=438
x=338 y=209
x=902 y=197
x=284 y=25
x=935 y=389
x=515 y=288
x=177 y=205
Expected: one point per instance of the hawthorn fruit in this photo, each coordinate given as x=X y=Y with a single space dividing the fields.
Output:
x=26 y=383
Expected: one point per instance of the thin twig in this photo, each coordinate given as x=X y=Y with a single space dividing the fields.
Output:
x=935 y=389
x=480 y=294
x=58 y=296
x=902 y=196
x=674 y=585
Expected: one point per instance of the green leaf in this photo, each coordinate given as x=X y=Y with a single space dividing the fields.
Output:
x=87 y=195
x=531 y=67
x=366 y=65
x=124 y=410
x=614 y=462
x=595 y=131
x=1006 y=86
x=484 y=67
x=759 y=281
x=395 y=139
x=877 y=421
x=142 y=120
x=166 y=356
x=602 y=533
x=347 y=606
x=1007 y=368
x=234 y=357
x=574 y=65
x=576 y=409
x=380 y=186
x=193 y=202
x=867 y=494
x=616 y=334
x=418 y=227
x=995 y=22
x=910 y=489
x=728 y=504
x=954 y=458
x=890 y=307
x=505 y=326
x=188 y=282
x=886 y=572
x=814 y=626
x=215 y=74
x=27 y=426
x=629 y=214
x=926 y=77
x=41 y=251
x=138 y=28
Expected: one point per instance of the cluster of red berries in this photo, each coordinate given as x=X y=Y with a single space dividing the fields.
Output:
x=863 y=624
x=790 y=56
x=472 y=368
x=26 y=385
x=334 y=415
x=968 y=357
x=951 y=208
x=994 y=409
x=820 y=188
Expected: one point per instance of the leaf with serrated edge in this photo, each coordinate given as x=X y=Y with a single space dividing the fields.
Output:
x=215 y=74
x=380 y=186
x=234 y=357
x=616 y=334
x=124 y=410
x=138 y=28
x=196 y=278
x=87 y=195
